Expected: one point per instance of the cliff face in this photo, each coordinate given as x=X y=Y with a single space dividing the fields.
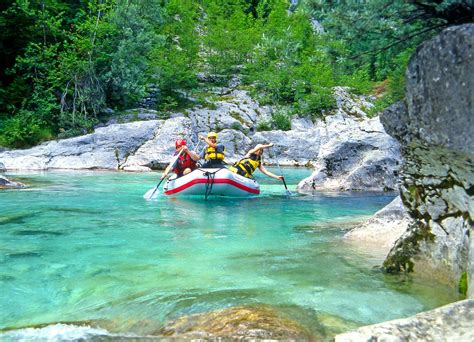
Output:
x=436 y=131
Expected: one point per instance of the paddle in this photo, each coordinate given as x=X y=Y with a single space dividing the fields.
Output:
x=149 y=194
x=288 y=192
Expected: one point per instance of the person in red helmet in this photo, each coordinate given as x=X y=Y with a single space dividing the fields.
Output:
x=186 y=161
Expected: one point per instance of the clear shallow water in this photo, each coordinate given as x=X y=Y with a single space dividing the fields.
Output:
x=79 y=246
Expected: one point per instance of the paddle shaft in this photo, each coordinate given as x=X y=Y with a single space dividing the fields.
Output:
x=173 y=161
x=156 y=187
x=284 y=183
x=279 y=168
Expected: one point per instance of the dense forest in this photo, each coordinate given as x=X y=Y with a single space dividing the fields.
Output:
x=66 y=63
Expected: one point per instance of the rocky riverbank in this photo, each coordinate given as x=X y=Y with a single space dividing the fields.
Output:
x=350 y=150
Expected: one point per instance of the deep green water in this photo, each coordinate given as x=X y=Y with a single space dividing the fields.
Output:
x=79 y=246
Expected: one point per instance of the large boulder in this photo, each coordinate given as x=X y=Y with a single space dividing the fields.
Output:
x=158 y=150
x=106 y=148
x=435 y=129
x=355 y=154
x=452 y=322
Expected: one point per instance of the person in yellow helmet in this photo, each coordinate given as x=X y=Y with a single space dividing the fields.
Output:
x=251 y=161
x=213 y=153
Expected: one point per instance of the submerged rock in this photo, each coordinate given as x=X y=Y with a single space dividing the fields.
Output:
x=383 y=229
x=9 y=184
x=436 y=132
x=452 y=322
x=238 y=323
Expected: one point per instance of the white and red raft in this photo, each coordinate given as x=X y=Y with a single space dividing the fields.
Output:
x=216 y=181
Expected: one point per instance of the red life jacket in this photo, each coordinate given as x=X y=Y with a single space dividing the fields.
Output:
x=184 y=161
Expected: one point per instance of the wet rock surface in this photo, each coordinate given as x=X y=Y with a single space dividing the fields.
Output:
x=238 y=323
x=383 y=229
x=6 y=183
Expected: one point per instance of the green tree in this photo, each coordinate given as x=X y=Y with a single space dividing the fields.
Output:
x=175 y=56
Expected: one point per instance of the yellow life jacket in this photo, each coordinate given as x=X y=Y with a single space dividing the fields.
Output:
x=211 y=154
x=245 y=167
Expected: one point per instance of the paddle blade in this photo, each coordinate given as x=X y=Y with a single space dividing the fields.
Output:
x=152 y=193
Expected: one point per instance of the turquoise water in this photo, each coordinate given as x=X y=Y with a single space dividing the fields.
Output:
x=79 y=246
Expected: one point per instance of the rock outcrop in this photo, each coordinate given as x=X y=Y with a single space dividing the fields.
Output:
x=106 y=148
x=436 y=132
x=354 y=155
x=452 y=322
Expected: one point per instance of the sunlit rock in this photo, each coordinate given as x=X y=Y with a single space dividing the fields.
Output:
x=452 y=322
x=106 y=148
x=354 y=155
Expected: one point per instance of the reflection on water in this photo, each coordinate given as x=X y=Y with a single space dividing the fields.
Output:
x=81 y=246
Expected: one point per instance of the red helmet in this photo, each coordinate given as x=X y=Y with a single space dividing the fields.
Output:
x=180 y=142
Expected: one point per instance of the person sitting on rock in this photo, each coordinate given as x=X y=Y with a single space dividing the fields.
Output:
x=213 y=154
x=186 y=161
x=251 y=161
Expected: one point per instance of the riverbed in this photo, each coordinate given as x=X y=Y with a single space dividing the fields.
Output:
x=81 y=246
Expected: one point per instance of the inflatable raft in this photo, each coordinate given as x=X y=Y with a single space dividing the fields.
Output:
x=206 y=182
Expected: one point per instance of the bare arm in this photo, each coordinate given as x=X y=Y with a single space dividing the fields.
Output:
x=258 y=147
x=170 y=166
x=165 y=173
x=208 y=142
x=268 y=173
x=194 y=156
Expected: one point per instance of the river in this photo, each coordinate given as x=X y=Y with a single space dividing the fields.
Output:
x=85 y=246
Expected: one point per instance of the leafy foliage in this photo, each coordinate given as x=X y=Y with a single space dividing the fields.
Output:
x=65 y=61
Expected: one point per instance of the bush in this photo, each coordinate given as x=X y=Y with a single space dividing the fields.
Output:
x=23 y=130
x=264 y=126
x=282 y=120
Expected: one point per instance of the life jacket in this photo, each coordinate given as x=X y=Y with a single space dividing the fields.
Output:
x=245 y=167
x=184 y=161
x=211 y=154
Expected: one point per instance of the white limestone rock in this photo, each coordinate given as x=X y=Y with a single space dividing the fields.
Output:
x=106 y=148
x=452 y=322
x=159 y=149
x=354 y=155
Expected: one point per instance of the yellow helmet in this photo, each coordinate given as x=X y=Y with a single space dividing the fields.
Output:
x=212 y=135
